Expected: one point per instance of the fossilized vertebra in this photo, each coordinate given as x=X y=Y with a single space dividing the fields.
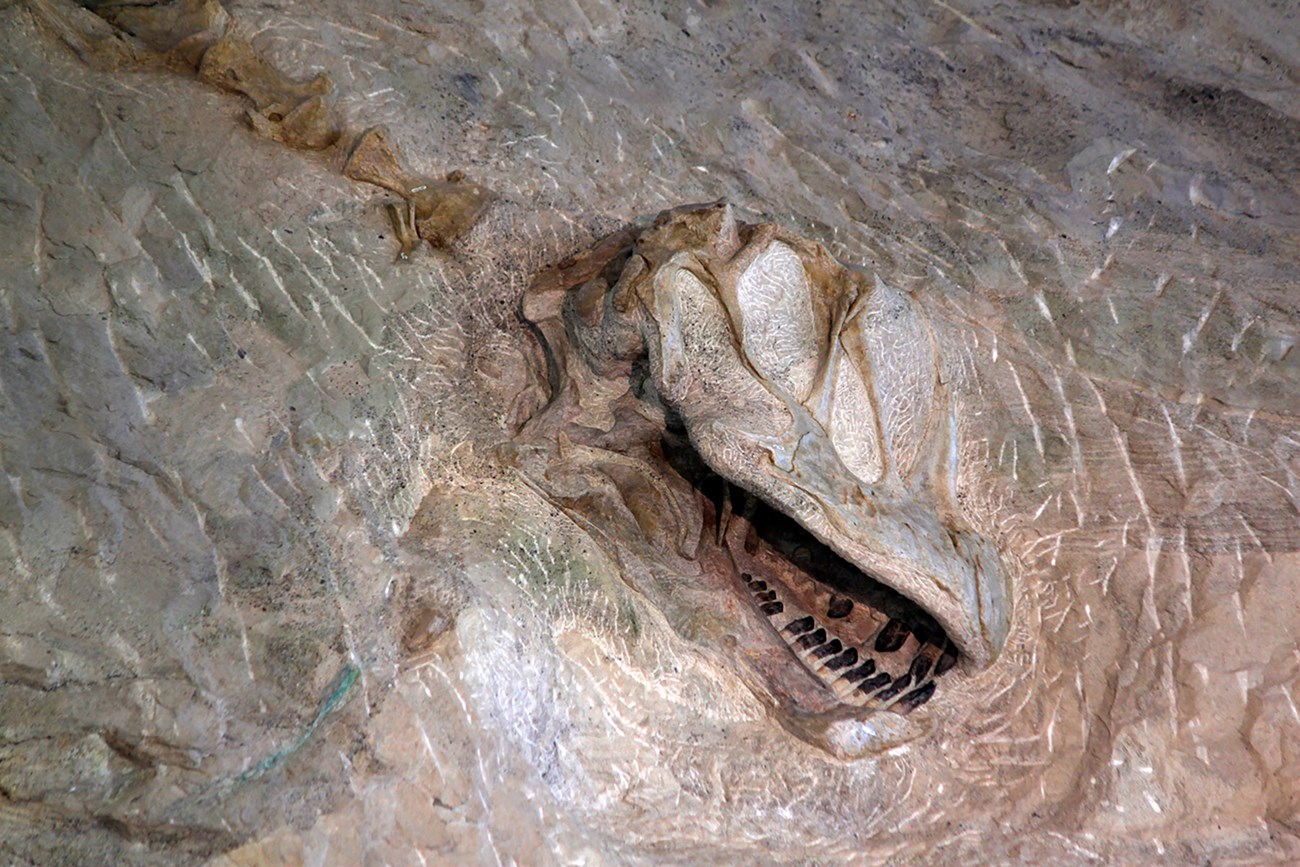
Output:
x=200 y=36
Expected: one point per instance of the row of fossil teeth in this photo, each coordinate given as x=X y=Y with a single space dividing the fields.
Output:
x=850 y=672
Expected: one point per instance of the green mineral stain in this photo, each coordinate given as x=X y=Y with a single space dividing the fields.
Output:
x=342 y=686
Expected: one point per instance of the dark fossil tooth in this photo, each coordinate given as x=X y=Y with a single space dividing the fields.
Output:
x=844 y=660
x=758 y=586
x=872 y=684
x=920 y=666
x=866 y=669
x=811 y=640
x=800 y=626
x=769 y=596
x=831 y=648
x=892 y=637
x=772 y=608
x=746 y=577
x=895 y=688
x=839 y=607
x=915 y=698
x=946 y=661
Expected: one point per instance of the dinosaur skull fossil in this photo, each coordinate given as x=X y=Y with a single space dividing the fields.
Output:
x=822 y=392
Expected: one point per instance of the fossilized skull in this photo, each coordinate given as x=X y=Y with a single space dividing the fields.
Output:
x=820 y=390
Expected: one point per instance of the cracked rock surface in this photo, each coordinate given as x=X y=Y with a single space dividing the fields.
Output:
x=280 y=582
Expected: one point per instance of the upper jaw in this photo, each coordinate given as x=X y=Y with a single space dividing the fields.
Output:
x=821 y=394
x=953 y=573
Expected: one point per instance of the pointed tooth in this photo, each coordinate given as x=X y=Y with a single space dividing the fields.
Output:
x=839 y=607
x=946 y=660
x=849 y=680
x=892 y=637
x=923 y=661
x=915 y=698
x=830 y=648
x=812 y=639
x=862 y=672
x=800 y=626
x=844 y=660
x=894 y=689
x=873 y=683
x=724 y=513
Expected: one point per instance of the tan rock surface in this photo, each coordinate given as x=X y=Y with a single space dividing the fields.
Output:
x=277 y=583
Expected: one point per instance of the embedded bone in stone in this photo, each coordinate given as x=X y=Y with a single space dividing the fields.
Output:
x=853 y=427
x=777 y=327
x=839 y=607
x=800 y=626
x=811 y=640
x=1109 y=273
x=771 y=609
x=892 y=636
x=898 y=356
x=914 y=699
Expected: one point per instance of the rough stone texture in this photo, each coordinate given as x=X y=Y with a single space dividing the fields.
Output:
x=248 y=458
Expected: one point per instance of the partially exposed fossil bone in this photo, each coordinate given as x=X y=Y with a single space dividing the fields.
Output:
x=199 y=35
x=293 y=113
x=438 y=211
x=182 y=29
x=816 y=388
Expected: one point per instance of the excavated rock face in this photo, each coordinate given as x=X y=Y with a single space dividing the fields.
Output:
x=571 y=537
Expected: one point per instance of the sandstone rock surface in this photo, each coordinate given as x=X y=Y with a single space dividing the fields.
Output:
x=278 y=583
